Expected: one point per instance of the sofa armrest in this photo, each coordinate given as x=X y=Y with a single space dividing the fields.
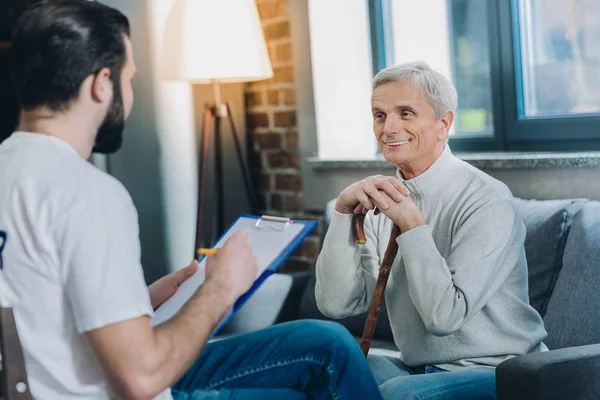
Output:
x=572 y=373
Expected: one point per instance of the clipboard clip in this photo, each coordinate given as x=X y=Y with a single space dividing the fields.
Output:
x=273 y=223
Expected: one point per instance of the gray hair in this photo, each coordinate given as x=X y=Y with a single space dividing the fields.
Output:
x=436 y=88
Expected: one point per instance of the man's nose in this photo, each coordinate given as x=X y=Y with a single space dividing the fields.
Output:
x=392 y=125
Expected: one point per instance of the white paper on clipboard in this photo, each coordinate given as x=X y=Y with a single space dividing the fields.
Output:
x=268 y=238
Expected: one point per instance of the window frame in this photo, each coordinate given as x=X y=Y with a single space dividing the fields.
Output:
x=511 y=133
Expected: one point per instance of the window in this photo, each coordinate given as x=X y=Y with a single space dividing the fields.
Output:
x=341 y=78
x=559 y=39
x=527 y=72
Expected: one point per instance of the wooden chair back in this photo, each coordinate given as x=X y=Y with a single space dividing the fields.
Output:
x=13 y=376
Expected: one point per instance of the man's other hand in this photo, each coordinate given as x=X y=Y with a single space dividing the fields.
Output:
x=405 y=213
x=161 y=290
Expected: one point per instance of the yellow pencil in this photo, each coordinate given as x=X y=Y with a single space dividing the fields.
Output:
x=212 y=252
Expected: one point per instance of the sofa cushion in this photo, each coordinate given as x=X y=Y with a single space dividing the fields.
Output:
x=547 y=223
x=263 y=308
x=572 y=318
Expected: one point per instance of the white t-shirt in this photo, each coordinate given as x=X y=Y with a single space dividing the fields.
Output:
x=71 y=261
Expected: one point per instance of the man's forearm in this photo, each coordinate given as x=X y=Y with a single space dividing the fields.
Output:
x=159 y=357
x=139 y=362
x=447 y=300
x=181 y=339
x=341 y=275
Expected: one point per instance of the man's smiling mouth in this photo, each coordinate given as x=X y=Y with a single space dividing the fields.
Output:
x=399 y=143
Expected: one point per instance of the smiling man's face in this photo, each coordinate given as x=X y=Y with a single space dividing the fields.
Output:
x=407 y=130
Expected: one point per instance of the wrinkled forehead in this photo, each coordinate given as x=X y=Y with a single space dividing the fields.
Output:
x=398 y=92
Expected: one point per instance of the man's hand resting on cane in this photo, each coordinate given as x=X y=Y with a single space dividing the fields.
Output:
x=366 y=194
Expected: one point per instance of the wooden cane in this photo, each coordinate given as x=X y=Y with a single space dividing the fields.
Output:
x=384 y=273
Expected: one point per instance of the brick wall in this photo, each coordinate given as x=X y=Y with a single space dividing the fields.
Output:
x=273 y=133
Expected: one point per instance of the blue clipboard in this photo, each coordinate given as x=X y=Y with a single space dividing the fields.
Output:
x=271 y=249
x=267 y=222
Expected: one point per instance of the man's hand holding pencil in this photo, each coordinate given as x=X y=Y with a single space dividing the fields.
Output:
x=232 y=269
x=206 y=252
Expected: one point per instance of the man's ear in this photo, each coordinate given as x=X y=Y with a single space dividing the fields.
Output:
x=102 y=90
x=445 y=124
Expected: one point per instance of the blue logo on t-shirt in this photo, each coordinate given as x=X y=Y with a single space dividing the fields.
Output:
x=2 y=243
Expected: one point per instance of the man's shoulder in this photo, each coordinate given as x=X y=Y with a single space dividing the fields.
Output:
x=475 y=180
x=58 y=176
x=473 y=191
x=90 y=186
x=84 y=180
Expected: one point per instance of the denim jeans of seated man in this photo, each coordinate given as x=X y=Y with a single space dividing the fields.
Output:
x=400 y=382
x=295 y=360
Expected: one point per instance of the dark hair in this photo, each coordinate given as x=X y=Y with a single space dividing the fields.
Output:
x=57 y=44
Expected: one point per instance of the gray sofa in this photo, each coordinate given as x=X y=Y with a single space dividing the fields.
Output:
x=563 y=252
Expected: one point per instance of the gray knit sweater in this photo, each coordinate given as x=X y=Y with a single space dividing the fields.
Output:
x=457 y=294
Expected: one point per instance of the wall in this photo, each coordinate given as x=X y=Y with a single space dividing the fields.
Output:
x=272 y=122
x=158 y=162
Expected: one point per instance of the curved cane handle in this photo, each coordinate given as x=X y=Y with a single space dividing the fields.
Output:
x=358 y=229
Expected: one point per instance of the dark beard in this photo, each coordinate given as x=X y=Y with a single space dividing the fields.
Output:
x=110 y=134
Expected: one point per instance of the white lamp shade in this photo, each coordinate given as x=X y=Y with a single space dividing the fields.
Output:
x=208 y=40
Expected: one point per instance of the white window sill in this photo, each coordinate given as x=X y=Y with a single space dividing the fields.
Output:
x=479 y=160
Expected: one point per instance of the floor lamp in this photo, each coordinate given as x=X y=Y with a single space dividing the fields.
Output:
x=214 y=42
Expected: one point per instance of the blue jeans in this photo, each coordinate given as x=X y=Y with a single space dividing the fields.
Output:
x=296 y=360
x=400 y=382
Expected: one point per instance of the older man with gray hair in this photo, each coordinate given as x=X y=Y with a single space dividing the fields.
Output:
x=457 y=295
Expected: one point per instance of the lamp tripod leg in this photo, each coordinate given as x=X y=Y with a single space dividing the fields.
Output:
x=219 y=181
x=250 y=193
x=202 y=175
